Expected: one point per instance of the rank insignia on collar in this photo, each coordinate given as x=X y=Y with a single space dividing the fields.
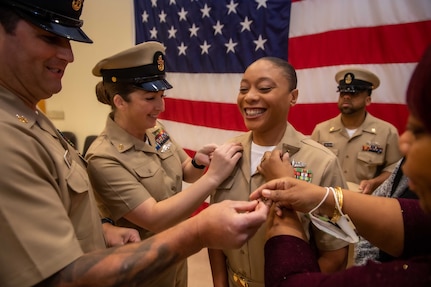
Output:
x=303 y=174
x=22 y=119
x=327 y=144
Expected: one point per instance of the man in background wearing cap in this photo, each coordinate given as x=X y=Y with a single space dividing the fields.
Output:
x=50 y=229
x=366 y=146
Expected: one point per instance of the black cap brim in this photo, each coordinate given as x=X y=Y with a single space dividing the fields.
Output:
x=155 y=86
x=71 y=33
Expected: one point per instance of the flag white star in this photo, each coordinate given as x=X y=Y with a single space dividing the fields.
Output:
x=206 y=11
x=162 y=16
x=231 y=7
x=183 y=14
x=182 y=49
x=230 y=46
x=172 y=31
x=153 y=33
x=145 y=17
x=172 y=2
x=204 y=48
x=217 y=28
x=153 y=3
x=261 y=3
x=246 y=24
x=259 y=43
x=193 y=30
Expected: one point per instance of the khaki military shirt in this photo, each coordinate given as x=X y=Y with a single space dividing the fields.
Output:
x=48 y=214
x=248 y=261
x=372 y=149
x=126 y=171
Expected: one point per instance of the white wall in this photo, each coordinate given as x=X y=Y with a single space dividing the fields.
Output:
x=110 y=24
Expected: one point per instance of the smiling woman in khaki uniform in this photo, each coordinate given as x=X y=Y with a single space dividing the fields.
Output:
x=136 y=168
x=267 y=92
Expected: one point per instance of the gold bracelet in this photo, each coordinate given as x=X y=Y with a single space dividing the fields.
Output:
x=338 y=198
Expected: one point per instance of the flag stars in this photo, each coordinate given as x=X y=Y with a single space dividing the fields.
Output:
x=217 y=28
x=261 y=3
x=153 y=33
x=162 y=16
x=172 y=2
x=172 y=31
x=231 y=7
x=182 y=49
x=153 y=3
x=182 y=14
x=193 y=30
x=230 y=46
x=206 y=11
x=246 y=24
x=204 y=48
x=145 y=17
x=259 y=43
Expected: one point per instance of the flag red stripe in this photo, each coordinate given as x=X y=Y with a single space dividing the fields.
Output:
x=209 y=114
x=303 y=116
x=401 y=43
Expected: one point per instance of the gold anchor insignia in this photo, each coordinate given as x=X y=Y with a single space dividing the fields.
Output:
x=76 y=4
x=160 y=63
x=120 y=146
x=22 y=119
x=348 y=79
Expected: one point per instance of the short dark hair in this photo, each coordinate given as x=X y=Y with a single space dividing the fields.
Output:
x=8 y=19
x=288 y=70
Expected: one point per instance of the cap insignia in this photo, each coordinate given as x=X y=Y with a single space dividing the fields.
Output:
x=160 y=63
x=114 y=79
x=77 y=4
x=348 y=78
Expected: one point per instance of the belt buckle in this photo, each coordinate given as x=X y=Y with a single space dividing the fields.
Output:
x=240 y=281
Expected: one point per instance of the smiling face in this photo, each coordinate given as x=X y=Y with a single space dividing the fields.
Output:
x=33 y=62
x=265 y=98
x=139 y=112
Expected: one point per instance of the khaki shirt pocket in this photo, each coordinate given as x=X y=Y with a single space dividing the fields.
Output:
x=368 y=162
x=80 y=205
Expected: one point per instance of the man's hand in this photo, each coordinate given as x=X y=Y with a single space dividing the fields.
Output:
x=116 y=236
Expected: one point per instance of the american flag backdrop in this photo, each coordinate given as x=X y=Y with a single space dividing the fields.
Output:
x=210 y=43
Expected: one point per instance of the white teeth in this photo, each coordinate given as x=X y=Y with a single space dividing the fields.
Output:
x=254 y=112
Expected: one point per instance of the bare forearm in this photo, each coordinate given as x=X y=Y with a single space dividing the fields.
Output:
x=130 y=264
x=377 y=219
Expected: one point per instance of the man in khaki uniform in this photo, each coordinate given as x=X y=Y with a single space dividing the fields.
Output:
x=366 y=146
x=50 y=230
x=267 y=92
